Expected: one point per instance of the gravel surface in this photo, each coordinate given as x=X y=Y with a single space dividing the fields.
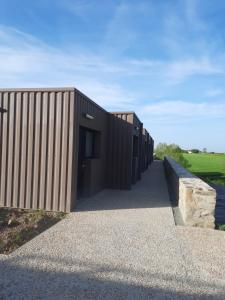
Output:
x=119 y=245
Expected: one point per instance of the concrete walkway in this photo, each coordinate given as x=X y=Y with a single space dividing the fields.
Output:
x=119 y=245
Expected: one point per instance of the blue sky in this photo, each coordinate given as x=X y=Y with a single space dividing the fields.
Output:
x=163 y=59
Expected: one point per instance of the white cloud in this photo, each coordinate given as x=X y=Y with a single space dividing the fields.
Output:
x=119 y=34
x=111 y=97
x=138 y=56
x=80 y=8
x=191 y=8
x=175 y=112
x=26 y=61
x=179 y=71
x=122 y=30
x=214 y=92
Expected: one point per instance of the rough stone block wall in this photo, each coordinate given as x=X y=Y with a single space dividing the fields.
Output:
x=194 y=197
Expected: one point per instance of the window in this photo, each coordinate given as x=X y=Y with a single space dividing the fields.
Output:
x=89 y=143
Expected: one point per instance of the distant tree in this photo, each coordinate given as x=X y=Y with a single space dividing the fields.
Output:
x=204 y=150
x=195 y=150
x=172 y=150
x=184 y=151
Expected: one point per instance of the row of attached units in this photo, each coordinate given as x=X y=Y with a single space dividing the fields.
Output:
x=58 y=146
x=147 y=149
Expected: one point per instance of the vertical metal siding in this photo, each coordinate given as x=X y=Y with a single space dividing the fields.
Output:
x=119 y=153
x=39 y=140
x=135 y=123
x=36 y=140
x=3 y=151
x=98 y=165
x=140 y=150
x=147 y=151
x=144 y=150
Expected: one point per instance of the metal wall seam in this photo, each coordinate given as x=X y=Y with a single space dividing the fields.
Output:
x=70 y=179
x=4 y=151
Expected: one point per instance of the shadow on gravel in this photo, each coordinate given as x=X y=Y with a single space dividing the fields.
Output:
x=116 y=199
x=149 y=192
x=17 y=282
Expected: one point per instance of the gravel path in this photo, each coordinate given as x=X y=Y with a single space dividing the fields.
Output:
x=119 y=245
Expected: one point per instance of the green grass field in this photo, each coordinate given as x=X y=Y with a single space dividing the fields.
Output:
x=209 y=167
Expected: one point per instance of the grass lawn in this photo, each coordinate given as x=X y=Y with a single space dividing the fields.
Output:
x=209 y=167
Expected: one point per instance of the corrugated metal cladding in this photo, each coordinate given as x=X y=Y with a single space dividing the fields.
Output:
x=36 y=135
x=151 y=150
x=120 y=153
x=97 y=166
x=39 y=148
x=147 y=149
x=137 y=128
x=145 y=146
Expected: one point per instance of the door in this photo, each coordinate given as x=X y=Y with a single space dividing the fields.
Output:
x=86 y=153
x=81 y=162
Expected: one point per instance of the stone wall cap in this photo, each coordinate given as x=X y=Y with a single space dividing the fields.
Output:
x=187 y=178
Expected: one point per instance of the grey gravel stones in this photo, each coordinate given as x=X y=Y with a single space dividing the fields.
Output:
x=119 y=245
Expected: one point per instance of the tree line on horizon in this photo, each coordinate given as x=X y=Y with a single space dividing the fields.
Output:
x=176 y=152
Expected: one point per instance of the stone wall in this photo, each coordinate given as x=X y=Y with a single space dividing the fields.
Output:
x=194 y=197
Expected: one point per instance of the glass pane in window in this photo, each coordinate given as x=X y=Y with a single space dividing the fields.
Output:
x=89 y=144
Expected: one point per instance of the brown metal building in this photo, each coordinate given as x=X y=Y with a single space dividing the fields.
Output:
x=150 y=150
x=134 y=145
x=145 y=150
x=57 y=145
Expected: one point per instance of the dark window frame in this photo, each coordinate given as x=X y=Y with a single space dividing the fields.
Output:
x=96 y=143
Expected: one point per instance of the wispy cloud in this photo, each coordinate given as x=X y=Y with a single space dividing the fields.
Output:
x=214 y=92
x=83 y=8
x=192 y=8
x=26 y=61
x=162 y=59
x=186 y=109
x=119 y=34
x=179 y=112
x=80 y=8
x=179 y=71
x=123 y=29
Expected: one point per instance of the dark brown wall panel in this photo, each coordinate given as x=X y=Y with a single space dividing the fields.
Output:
x=70 y=152
x=147 y=149
x=4 y=149
x=36 y=141
x=119 y=153
x=36 y=151
x=39 y=142
x=58 y=150
x=137 y=126
x=98 y=165
x=144 y=150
